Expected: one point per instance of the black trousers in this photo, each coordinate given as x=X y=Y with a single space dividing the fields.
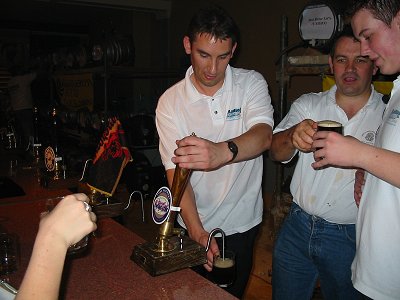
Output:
x=242 y=244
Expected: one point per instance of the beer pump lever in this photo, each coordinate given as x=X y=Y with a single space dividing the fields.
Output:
x=172 y=250
x=212 y=233
x=167 y=230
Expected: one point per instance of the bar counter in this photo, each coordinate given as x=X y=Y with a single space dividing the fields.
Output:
x=105 y=271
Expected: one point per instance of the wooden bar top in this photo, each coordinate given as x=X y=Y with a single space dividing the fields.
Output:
x=106 y=270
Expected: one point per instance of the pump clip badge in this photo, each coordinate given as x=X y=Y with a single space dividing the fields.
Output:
x=50 y=159
x=161 y=205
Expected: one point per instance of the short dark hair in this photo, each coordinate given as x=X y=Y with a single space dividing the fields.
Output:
x=347 y=31
x=383 y=10
x=214 y=21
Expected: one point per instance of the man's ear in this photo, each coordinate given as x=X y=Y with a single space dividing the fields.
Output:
x=187 y=45
x=397 y=20
x=233 y=49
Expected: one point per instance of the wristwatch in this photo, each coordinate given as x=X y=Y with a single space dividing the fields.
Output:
x=233 y=148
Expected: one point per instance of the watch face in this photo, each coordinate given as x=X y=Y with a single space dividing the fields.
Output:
x=233 y=148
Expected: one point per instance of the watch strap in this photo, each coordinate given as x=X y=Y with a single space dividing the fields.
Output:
x=233 y=148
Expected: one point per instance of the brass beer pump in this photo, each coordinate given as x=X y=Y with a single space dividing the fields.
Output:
x=172 y=250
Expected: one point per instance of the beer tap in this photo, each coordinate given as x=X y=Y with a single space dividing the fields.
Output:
x=172 y=250
x=36 y=141
x=181 y=178
x=212 y=233
x=58 y=159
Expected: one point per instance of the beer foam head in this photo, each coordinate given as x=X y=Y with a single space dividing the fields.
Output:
x=223 y=263
x=329 y=123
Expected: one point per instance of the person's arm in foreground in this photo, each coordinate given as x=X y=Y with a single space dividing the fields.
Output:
x=285 y=143
x=347 y=151
x=200 y=154
x=64 y=226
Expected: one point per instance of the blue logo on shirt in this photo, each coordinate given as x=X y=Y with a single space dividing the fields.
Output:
x=394 y=116
x=234 y=114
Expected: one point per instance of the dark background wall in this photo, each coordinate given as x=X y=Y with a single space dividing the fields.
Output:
x=40 y=26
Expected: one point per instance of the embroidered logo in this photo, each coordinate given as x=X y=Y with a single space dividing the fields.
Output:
x=234 y=114
x=394 y=116
x=369 y=137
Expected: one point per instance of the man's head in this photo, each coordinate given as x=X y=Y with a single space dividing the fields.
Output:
x=352 y=71
x=213 y=21
x=210 y=41
x=376 y=23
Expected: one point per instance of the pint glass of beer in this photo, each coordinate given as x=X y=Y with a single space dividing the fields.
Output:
x=224 y=269
x=329 y=125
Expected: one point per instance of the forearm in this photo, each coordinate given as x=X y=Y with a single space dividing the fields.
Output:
x=43 y=275
x=336 y=150
x=253 y=142
x=282 y=148
x=379 y=162
x=191 y=217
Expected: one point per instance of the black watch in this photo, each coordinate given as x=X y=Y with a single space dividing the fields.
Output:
x=233 y=148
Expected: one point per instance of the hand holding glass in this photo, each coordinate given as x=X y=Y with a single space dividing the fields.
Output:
x=80 y=245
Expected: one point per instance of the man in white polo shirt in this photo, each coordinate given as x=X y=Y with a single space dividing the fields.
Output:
x=230 y=112
x=317 y=238
x=376 y=266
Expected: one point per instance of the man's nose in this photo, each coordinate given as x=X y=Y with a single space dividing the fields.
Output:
x=350 y=66
x=365 y=50
x=213 y=66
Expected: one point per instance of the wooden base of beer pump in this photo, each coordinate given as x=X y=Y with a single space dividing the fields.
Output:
x=172 y=250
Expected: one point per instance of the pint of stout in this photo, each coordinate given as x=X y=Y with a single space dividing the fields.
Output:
x=328 y=125
x=224 y=269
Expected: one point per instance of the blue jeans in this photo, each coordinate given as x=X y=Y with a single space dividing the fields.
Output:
x=309 y=248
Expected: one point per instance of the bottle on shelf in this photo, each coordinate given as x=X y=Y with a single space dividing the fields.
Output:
x=52 y=154
x=11 y=140
x=37 y=145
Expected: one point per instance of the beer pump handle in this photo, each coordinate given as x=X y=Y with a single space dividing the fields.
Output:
x=181 y=178
x=179 y=183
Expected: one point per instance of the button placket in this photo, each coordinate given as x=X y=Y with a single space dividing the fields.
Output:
x=215 y=108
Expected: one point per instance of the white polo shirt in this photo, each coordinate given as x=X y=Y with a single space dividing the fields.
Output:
x=376 y=266
x=329 y=193
x=229 y=198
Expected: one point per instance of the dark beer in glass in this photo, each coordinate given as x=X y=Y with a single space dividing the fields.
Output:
x=329 y=125
x=224 y=269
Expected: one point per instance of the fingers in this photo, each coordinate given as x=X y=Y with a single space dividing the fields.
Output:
x=212 y=252
x=302 y=137
x=78 y=196
x=70 y=204
x=85 y=200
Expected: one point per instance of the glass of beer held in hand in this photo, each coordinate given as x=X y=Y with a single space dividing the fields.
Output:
x=224 y=269
x=329 y=125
